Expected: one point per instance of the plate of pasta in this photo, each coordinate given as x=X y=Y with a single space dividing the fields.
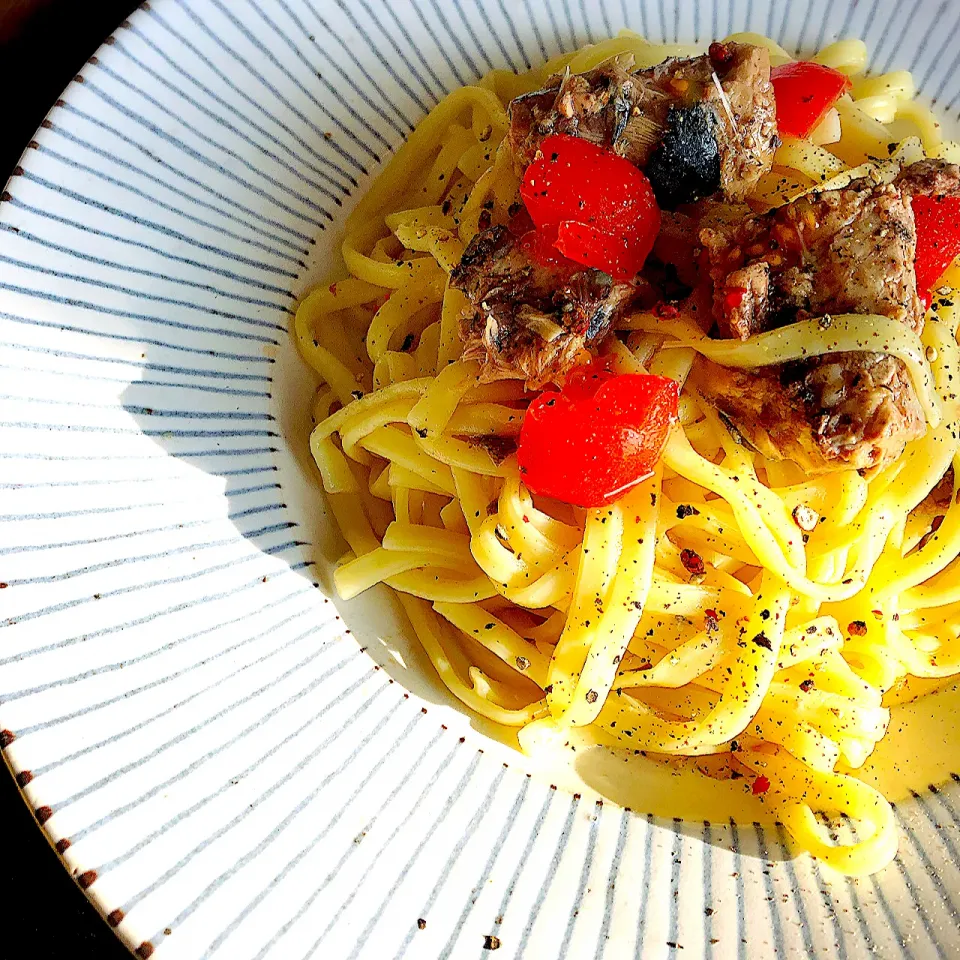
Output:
x=486 y=480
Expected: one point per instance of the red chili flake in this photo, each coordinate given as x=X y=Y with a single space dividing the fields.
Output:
x=666 y=311
x=333 y=289
x=720 y=53
x=526 y=519
x=711 y=614
x=711 y=621
x=760 y=785
x=692 y=562
x=857 y=628
x=806 y=686
x=805 y=518
x=878 y=614
x=928 y=536
x=646 y=665
x=734 y=297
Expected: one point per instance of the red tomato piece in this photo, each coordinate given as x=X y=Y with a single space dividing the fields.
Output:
x=619 y=253
x=575 y=182
x=938 y=240
x=589 y=443
x=805 y=92
x=575 y=179
x=541 y=247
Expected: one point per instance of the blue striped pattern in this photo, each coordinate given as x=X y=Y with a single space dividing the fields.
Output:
x=224 y=765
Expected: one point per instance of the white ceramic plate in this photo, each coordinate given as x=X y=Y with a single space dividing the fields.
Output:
x=226 y=769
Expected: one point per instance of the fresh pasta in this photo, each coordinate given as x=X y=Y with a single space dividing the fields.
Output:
x=730 y=605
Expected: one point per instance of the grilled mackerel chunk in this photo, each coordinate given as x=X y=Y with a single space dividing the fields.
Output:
x=529 y=320
x=849 y=250
x=696 y=126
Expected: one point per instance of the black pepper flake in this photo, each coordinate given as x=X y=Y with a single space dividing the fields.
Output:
x=857 y=628
x=764 y=614
x=489 y=626
x=762 y=640
x=491 y=942
x=592 y=696
x=407 y=343
x=421 y=923
x=422 y=432
x=548 y=688
x=686 y=510
x=811 y=631
x=734 y=746
x=356 y=394
x=807 y=685
x=522 y=663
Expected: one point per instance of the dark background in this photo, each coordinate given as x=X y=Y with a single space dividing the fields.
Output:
x=43 y=43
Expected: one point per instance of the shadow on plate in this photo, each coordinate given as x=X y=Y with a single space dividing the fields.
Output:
x=678 y=800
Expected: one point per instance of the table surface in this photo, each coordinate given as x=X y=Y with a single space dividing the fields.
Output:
x=43 y=43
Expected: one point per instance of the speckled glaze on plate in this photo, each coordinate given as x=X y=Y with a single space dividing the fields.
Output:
x=228 y=768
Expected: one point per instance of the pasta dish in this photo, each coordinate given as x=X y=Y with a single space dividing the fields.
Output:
x=639 y=391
